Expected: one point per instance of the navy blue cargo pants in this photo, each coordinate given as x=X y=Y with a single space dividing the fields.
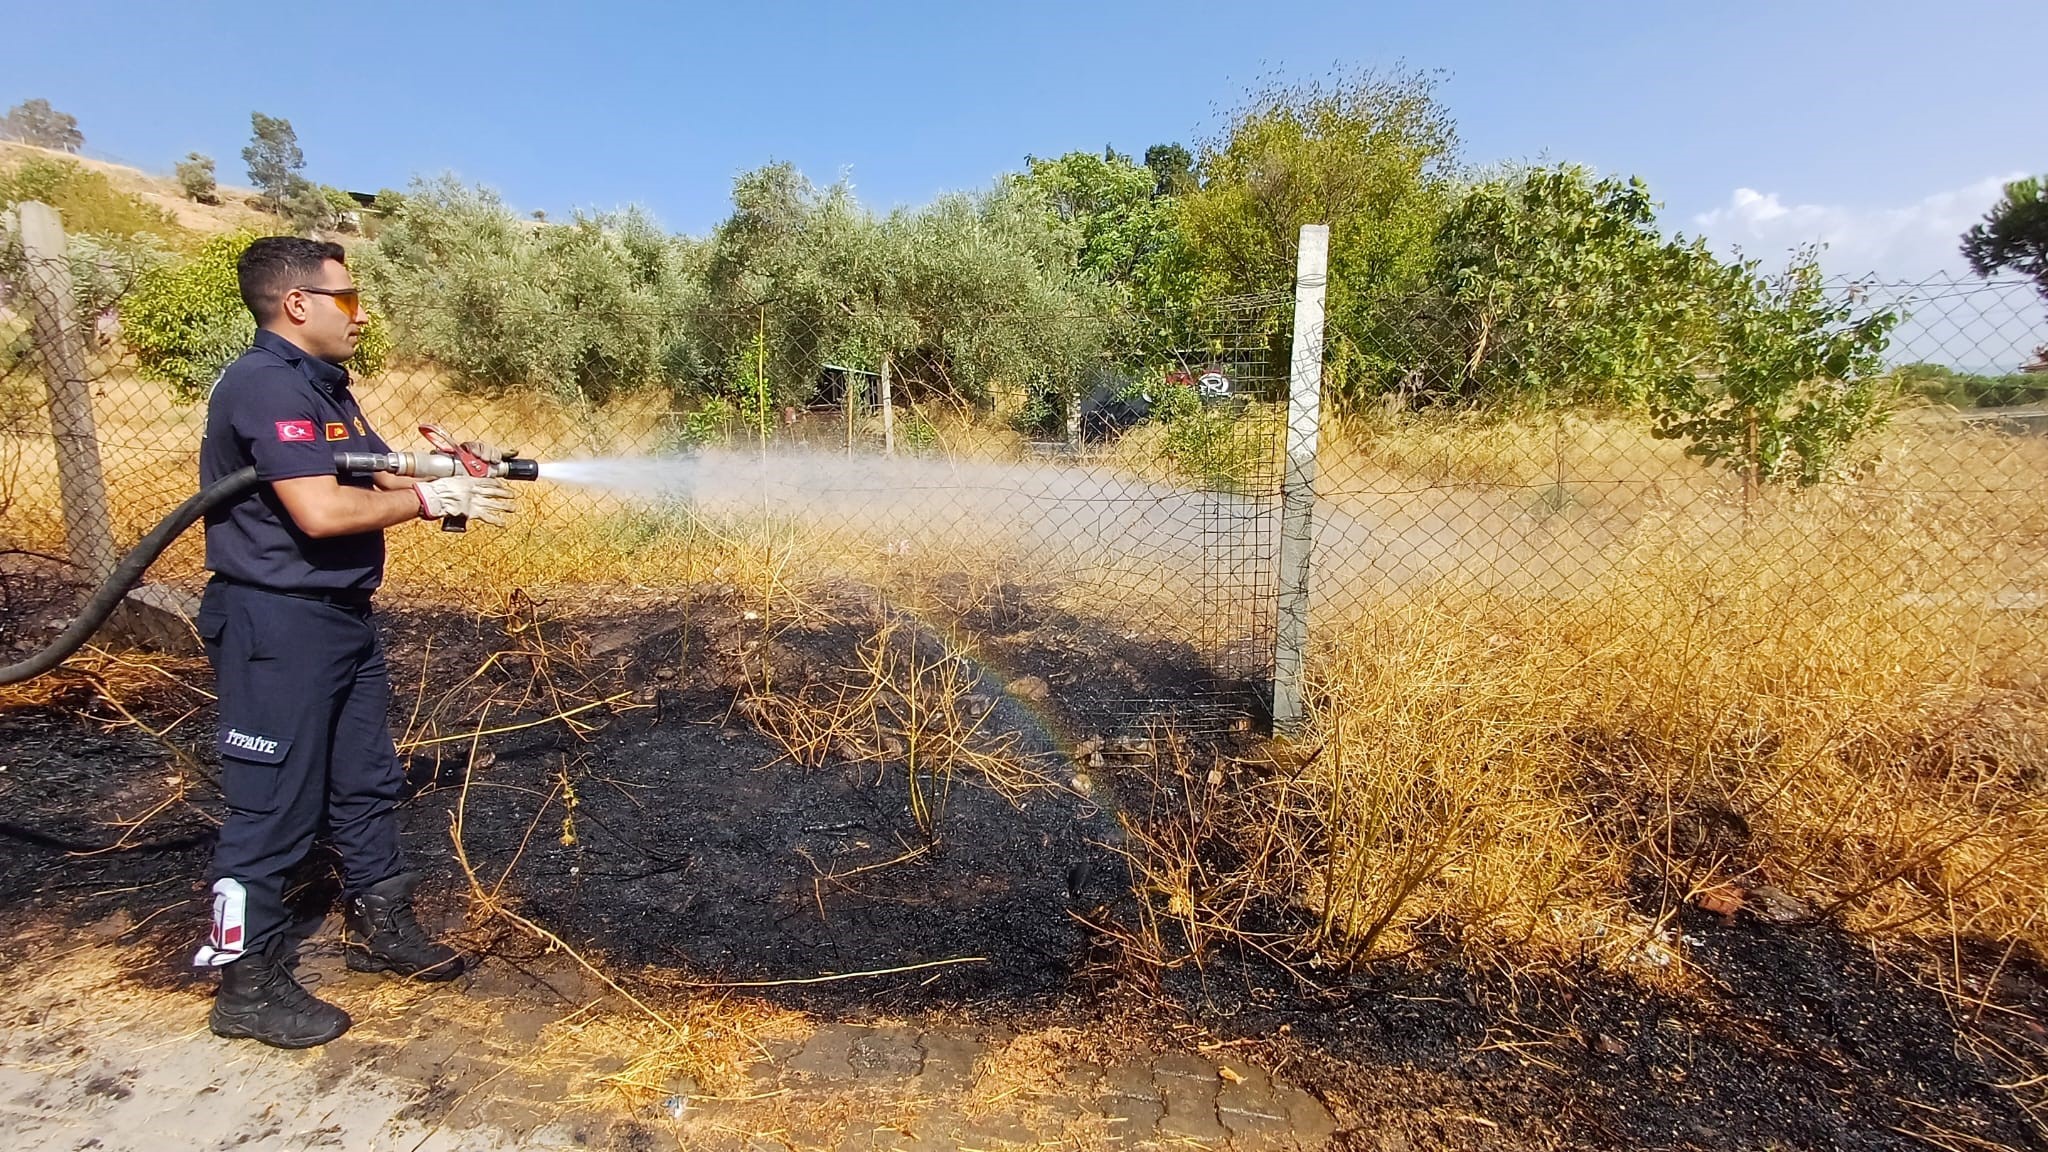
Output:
x=305 y=748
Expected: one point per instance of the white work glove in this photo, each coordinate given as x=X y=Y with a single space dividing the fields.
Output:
x=487 y=498
x=489 y=451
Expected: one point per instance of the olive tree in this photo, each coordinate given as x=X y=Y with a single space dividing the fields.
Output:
x=970 y=295
x=582 y=310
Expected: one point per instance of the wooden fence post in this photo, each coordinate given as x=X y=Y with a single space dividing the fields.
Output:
x=81 y=484
x=1298 y=489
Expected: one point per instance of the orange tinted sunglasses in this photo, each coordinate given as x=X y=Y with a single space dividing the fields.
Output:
x=349 y=300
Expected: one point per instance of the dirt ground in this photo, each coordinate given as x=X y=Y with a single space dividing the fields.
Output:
x=956 y=990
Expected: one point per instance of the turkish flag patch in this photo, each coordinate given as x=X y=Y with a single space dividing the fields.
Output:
x=336 y=430
x=296 y=431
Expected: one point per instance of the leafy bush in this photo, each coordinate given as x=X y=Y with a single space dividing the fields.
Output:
x=86 y=200
x=103 y=269
x=195 y=178
x=712 y=423
x=1040 y=414
x=1215 y=447
x=185 y=321
x=915 y=433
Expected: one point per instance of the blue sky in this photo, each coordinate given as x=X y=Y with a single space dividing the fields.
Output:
x=1882 y=126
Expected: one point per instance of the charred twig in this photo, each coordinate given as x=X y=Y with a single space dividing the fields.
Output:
x=834 y=978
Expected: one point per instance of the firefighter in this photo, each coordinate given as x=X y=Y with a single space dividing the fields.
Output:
x=305 y=746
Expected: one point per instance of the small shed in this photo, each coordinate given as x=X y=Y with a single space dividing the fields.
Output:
x=837 y=381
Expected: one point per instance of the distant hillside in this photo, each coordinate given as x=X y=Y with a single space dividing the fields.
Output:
x=231 y=214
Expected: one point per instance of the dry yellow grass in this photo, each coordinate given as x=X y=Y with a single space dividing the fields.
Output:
x=1783 y=708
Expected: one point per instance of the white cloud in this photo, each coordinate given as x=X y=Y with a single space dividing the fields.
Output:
x=1908 y=258
x=1893 y=243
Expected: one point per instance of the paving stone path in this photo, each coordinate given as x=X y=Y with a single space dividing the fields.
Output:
x=907 y=1090
x=90 y=1058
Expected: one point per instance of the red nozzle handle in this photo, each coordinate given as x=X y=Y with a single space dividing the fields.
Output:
x=469 y=461
x=445 y=444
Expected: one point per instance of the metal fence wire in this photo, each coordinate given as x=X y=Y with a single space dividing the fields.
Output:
x=1930 y=520
x=1141 y=491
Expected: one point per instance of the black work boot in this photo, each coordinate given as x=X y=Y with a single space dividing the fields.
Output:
x=259 y=999
x=386 y=937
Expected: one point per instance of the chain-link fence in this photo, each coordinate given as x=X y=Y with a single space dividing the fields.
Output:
x=1916 y=505
x=1141 y=489
x=1133 y=492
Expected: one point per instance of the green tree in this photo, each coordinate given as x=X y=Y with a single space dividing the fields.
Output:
x=1371 y=156
x=1173 y=169
x=1796 y=383
x=1115 y=230
x=185 y=321
x=274 y=160
x=1551 y=286
x=195 y=178
x=35 y=122
x=996 y=310
x=2013 y=235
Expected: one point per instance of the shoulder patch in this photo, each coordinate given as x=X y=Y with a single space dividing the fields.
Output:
x=336 y=430
x=295 y=431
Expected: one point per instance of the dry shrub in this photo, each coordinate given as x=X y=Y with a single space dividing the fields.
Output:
x=910 y=698
x=1434 y=450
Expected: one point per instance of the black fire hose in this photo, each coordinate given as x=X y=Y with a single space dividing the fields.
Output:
x=453 y=460
x=128 y=572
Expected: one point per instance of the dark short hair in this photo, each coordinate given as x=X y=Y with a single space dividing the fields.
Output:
x=274 y=265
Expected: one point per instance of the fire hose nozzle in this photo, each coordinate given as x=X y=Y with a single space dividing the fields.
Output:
x=448 y=459
x=429 y=465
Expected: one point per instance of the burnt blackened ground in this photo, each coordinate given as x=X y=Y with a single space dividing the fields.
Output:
x=1803 y=1038
x=695 y=844
x=694 y=849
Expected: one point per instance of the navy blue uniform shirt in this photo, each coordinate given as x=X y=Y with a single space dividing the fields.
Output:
x=287 y=413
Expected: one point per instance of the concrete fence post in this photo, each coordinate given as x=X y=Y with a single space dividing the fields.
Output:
x=1298 y=488
x=888 y=408
x=60 y=347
